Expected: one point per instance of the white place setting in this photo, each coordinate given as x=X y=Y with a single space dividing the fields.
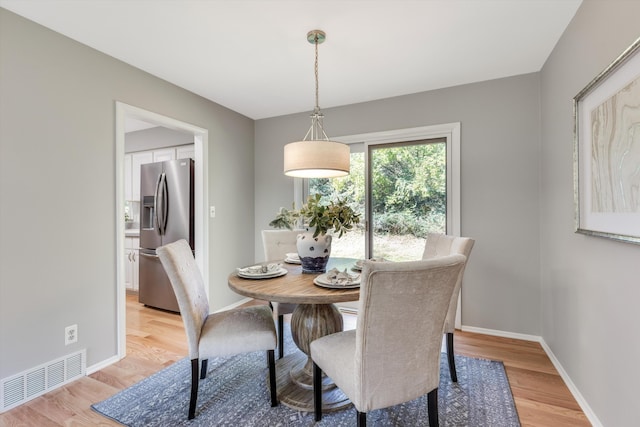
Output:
x=266 y=271
x=336 y=279
x=358 y=265
x=292 y=258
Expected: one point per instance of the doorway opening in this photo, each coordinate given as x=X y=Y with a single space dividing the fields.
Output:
x=125 y=112
x=401 y=196
x=438 y=148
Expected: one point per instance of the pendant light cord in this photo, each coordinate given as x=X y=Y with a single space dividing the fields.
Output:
x=317 y=110
x=316 y=131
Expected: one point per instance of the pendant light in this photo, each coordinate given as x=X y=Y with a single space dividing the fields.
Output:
x=316 y=156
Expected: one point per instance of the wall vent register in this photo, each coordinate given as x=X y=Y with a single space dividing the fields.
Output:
x=27 y=385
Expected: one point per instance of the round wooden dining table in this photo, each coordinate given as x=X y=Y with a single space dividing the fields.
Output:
x=314 y=317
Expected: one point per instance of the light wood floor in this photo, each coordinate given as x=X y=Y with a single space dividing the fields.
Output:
x=156 y=339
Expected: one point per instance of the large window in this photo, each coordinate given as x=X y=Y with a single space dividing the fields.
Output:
x=400 y=191
x=350 y=188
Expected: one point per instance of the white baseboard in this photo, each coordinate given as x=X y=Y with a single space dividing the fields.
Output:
x=101 y=365
x=504 y=334
x=348 y=310
x=591 y=416
x=234 y=305
x=593 y=419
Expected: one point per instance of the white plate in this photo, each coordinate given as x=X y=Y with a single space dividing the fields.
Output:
x=270 y=275
x=358 y=264
x=323 y=281
x=292 y=261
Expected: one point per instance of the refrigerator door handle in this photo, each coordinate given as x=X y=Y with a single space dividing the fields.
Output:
x=160 y=204
x=148 y=255
x=155 y=203
x=165 y=203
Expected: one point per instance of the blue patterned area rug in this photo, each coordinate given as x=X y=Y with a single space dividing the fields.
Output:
x=235 y=393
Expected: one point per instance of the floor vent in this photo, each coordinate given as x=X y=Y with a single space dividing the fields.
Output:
x=32 y=383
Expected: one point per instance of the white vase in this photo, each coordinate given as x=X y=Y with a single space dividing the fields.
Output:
x=313 y=251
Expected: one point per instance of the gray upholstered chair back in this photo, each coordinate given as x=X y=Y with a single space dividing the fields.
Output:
x=439 y=245
x=402 y=309
x=225 y=333
x=188 y=285
x=278 y=243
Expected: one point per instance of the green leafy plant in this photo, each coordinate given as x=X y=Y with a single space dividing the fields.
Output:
x=337 y=216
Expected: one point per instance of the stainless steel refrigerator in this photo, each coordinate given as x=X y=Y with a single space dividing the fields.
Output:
x=166 y=215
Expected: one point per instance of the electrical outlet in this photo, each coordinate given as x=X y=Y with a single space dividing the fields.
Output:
x=70 y=334
x=212 y=211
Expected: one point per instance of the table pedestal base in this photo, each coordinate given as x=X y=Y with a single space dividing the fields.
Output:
x=295 y=388
x=294 y=372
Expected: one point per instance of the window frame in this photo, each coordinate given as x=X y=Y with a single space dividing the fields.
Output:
x=448 y=131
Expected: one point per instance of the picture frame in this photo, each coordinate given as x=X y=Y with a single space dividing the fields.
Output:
x=606 y=153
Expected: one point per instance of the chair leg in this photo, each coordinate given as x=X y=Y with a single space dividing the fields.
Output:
x=195 y=364
x=317 y=391
x=362 y=419
x=432 y=407
x=280 y=336
x=203 y=370
x=272 y=377
x=451 y=357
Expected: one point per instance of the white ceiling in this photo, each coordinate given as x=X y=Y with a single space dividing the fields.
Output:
x=253 y=57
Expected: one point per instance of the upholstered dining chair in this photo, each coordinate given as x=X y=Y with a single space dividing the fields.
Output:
x=241 y=330
x=393 y=355
x=276 y=244
x=438 y=245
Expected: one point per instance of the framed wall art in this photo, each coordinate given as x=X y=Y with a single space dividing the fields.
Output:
x=607 y=151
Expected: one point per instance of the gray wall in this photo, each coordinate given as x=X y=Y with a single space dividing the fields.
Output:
x=57 y=190
x=152 y=138
x=500 y=128
x=590 y=291
x=529 y=272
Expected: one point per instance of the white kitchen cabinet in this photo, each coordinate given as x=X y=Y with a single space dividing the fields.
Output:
x=164 y=154
x=132 y=163
x=137 y=160
x=186 y=152
x=131 y=246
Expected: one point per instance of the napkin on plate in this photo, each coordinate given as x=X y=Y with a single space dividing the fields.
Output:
x=260 y=269
x=342 y=278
